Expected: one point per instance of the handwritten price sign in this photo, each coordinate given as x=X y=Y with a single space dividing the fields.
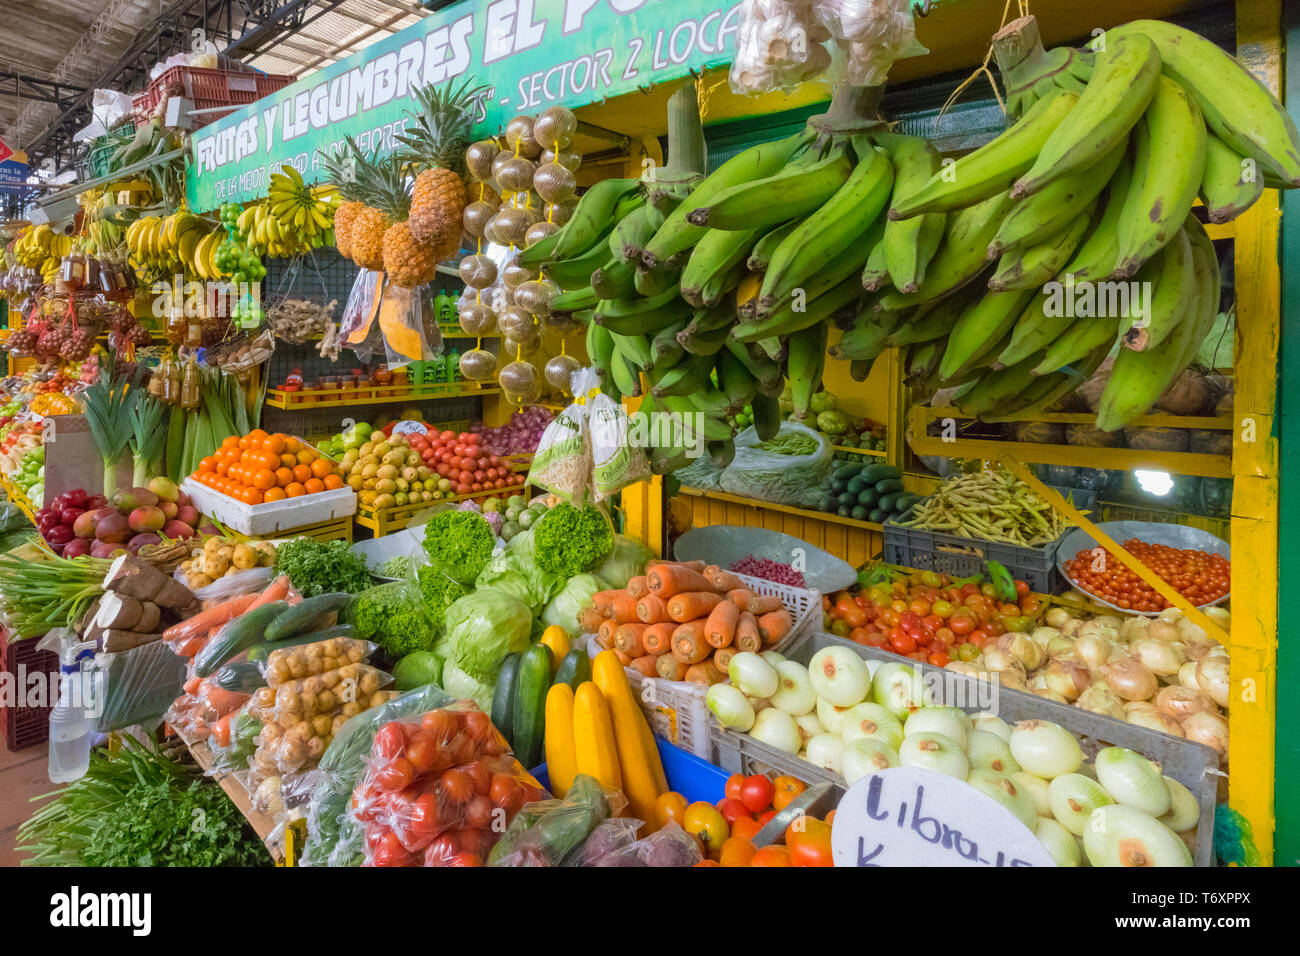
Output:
x=905 y=816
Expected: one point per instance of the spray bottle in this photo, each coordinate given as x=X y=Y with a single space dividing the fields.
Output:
x=72 y=724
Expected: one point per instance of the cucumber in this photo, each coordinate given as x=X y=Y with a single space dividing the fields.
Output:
x=838 y=484
x=877 y=516
x=845 y=472
x=827 y=502
x=874 y=473
x=889 y=485
x=844 y=511
x=305 y=616
x=242 y=677
x=886 y=503
x=529 y=711
x=905 y=501
x=575 y=669
x=847 y=500
x=859 y=513
x=261 y=651
x=868 y=498
x=236 y=637
x=504 y=695
x=856 y=485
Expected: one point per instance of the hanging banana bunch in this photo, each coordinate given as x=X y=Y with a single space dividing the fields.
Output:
x=1087 y=196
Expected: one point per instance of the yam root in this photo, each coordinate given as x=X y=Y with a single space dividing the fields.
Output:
x=118 y=640
x=134 y=578
x=120 y=612
x=150 y=617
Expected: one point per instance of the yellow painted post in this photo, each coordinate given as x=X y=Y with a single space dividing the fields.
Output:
x=1253 y=648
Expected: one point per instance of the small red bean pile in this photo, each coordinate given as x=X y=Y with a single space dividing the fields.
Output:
x=769 y=570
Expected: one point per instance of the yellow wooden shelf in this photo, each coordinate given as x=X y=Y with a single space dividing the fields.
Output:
x=784 y=509
x=874 y=452
x=1215 y=423
x=386 y=521
x=375 y=395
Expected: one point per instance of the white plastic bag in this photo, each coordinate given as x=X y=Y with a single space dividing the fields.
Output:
x=563 y=462
x=876 y=32
x=779 y=45
x=616 y=462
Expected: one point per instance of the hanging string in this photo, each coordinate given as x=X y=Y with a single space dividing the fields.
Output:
x=983 y=68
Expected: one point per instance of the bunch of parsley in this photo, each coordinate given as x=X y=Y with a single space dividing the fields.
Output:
x=321 y=567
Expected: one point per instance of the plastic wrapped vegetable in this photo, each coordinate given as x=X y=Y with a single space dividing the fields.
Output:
x=797 y=480
x=232 y=750
x=334 y=836
x=138 y=684
x=394 y=616
x=545 y=833
x=306 y=660
x=669 y=846
x=440 y=790
x=612 y=835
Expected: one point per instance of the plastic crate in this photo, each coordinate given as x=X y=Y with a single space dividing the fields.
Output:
x=687 y=774
x=25 y=727
x=1191 y=764
x=208 y=89
x=676 y=709
x=1118 y=511
x=963 y=557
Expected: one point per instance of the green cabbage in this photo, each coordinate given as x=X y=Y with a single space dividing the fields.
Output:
x=516 y=572
x=416 y=670
x=625 y=561
x=464 y=687
x=564 y=607
x=482 y=628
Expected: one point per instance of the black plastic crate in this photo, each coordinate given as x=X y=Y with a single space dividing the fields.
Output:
x=962 y=557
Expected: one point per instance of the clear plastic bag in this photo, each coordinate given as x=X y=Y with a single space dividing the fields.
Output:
x=232 y=585
x=357 y=327
x=136 y=686
x=231 y=752
x=334 y=836
x=438 y=791
x=779 y=45
x=563 y=462
x=407 y=336
x=612 y=835
x=796 y=480
x=546 y=832
x=670 y=846
x=300 y=661
x=877 y=32
x=616 y=462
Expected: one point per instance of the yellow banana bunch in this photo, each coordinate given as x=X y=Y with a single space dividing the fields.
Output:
x=294 y=217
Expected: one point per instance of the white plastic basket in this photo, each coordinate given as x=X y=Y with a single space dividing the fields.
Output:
x=271 y=516
x=676 y=709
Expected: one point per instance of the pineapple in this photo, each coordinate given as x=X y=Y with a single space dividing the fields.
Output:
x=436 y=140
x=381 y=229
x=343 y=171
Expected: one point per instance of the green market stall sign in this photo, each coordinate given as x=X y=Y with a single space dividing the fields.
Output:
x=530 y=54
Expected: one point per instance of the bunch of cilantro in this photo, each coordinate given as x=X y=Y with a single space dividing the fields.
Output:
x=321 y=567
x=571 y=541
x=160 y=825
x=459 y=543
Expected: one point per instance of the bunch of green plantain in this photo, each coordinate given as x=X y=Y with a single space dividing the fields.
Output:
x=704 y=304
x=1071 y=236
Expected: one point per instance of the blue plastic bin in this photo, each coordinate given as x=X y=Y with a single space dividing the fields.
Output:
x=693 y=778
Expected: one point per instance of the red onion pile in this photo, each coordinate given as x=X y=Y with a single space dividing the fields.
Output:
x=769 y=570
x=518 y=436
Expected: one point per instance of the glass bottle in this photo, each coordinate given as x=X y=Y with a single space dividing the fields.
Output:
x=191 y=393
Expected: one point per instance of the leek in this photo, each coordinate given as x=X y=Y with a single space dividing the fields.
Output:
x=109 y=405
x=148 y=437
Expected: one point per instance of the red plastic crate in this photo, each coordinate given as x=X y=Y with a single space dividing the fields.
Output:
x=208 y=89
x=24 y=726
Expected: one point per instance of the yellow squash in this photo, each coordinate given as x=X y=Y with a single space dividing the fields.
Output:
x=595 y=752
x=557 y=639
x=638 y=758
x=561 y=759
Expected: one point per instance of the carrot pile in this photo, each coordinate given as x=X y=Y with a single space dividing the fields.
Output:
x=684 y=621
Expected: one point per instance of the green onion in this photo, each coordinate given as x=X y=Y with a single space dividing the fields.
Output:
x=109 y=405
x=148 y=437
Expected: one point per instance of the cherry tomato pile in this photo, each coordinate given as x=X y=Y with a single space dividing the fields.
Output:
x=462 y=459
x=928 y=617
x=434 y=787
x=725 y=831
x=1199 y=576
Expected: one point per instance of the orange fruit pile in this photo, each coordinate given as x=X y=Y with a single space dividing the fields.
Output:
x=262 y=467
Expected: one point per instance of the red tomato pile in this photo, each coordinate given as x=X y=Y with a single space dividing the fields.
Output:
x=1199 y=576
x=436 y=791
x=726 y=832
x=927 y=617
x=462 y=460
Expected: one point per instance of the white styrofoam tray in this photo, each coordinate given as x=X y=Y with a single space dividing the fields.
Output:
x=271 y=516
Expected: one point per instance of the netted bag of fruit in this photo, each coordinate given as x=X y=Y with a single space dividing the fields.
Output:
x=439 y=790
x=876 y=32
x=779 y=46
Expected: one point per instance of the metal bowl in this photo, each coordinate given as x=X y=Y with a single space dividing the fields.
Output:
x=1153 y=532
x=725 y=544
